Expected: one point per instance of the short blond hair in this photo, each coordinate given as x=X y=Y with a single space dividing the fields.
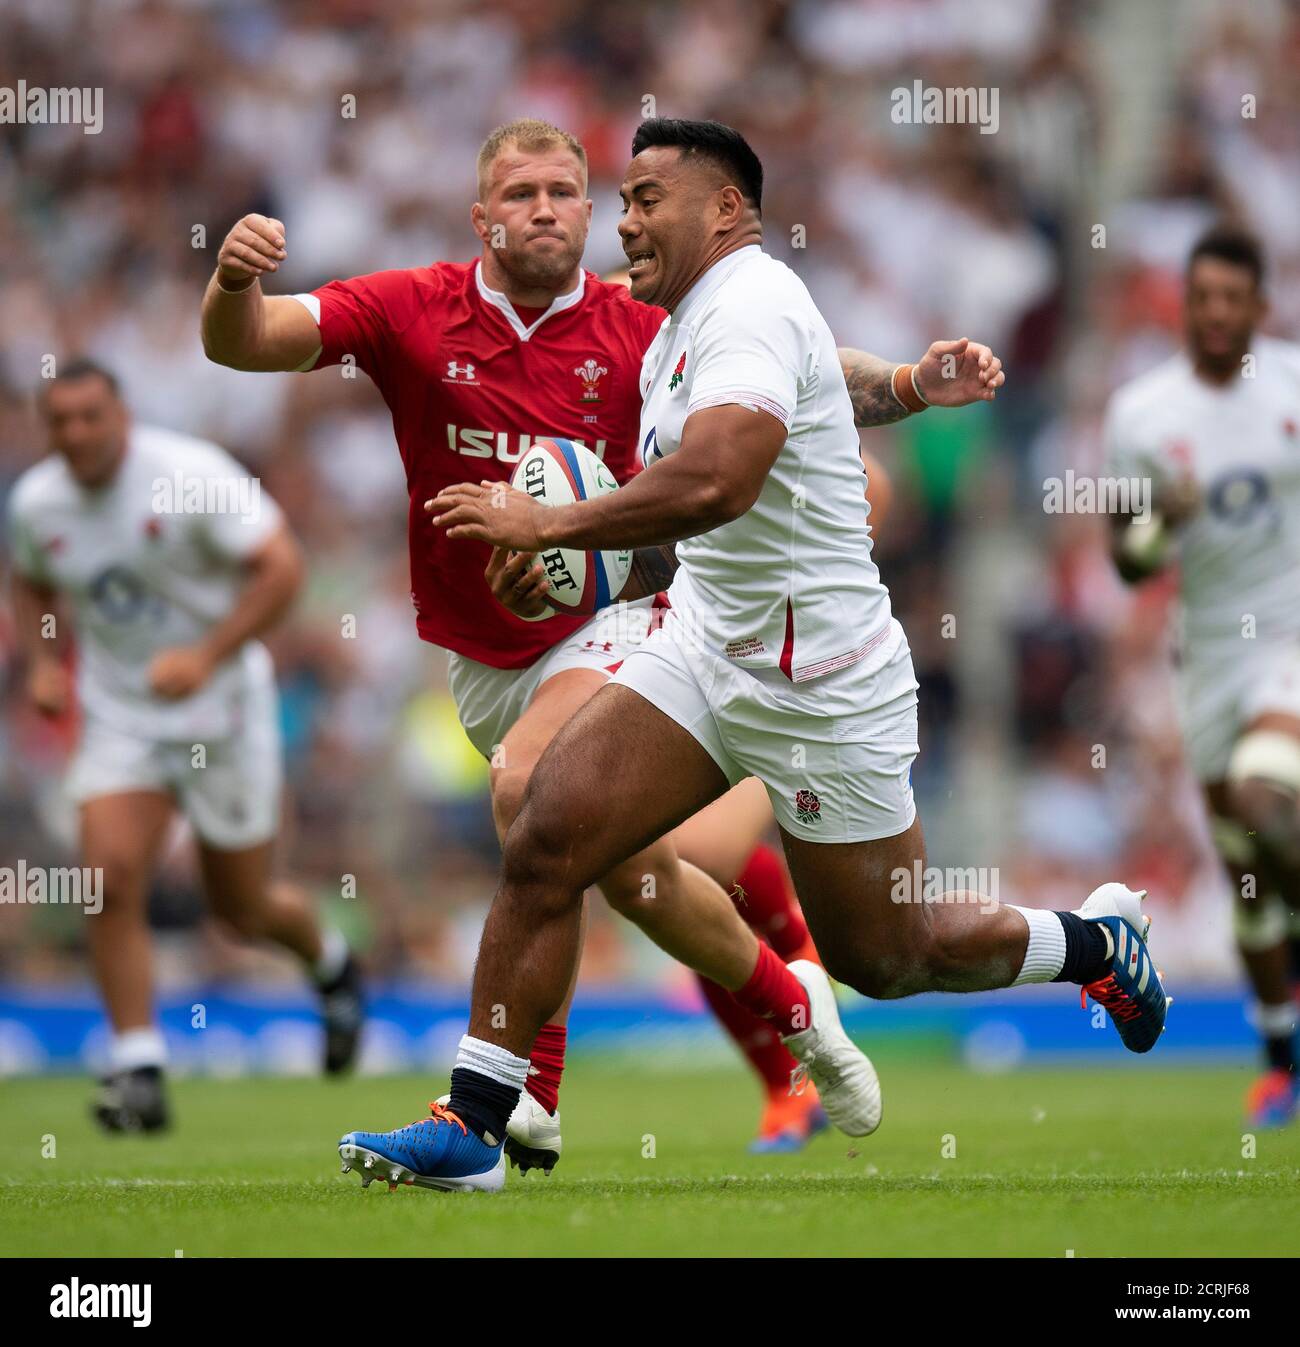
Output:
x=531 y=136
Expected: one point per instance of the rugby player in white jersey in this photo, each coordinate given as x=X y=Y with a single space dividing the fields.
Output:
x=779 y=659
x=487 y=352
x=171 y=562
x=1216 y=431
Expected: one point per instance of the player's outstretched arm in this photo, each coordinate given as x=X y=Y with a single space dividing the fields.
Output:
x=714 y=477
x=949 y=374
x=242 y=327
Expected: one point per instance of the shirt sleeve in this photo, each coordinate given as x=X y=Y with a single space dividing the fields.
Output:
x=756 y=354
x=1123 y=452
x=250 y=516
x=26 y=555
x=357 y=317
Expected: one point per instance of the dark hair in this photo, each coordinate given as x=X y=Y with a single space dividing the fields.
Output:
x=80 y=367
x=1231 y=243
x=722 y=145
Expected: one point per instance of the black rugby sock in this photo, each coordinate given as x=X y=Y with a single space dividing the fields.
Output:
x=1086 y=956
x=484 y=1105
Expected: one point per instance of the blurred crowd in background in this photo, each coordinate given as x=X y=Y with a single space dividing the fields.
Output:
x=1030 y=653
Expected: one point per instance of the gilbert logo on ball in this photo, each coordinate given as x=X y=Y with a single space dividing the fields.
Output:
x=562 y=472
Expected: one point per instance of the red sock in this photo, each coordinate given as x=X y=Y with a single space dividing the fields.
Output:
x=767 y=902
x=774 y=993
x=756 y=1038
x=546 y=1065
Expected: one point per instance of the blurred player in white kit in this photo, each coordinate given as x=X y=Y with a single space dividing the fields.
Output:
x=172 y=562
x=1217 y=430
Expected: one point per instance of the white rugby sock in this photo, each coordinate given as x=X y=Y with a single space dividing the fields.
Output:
x=333 y=955
x=492 y=1061
x=135 y=1048
x=1045 y=953
x=1274 y=1021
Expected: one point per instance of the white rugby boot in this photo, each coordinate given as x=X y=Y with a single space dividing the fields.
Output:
x=841 y=1071
x=533 y=1136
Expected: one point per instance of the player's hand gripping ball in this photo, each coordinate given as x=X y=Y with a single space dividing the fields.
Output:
x=551 y=472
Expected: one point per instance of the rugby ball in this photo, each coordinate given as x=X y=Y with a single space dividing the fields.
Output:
x=560 y=472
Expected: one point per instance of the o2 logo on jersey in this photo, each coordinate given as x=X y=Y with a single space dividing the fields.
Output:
x=650 y=446
x=119 y=596
x=1242 y=496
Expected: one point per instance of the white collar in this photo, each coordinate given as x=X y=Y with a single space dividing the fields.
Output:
x=498 y=300
x=713 y=278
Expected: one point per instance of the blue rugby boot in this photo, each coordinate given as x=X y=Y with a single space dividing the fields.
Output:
x=1132 y=992
x=434 y=1152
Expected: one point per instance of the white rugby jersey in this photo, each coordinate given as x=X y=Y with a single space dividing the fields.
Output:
x=790 y=584
x=1239 y=555
x=149 y=561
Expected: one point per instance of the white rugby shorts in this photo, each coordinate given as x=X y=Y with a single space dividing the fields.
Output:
x=835 y=752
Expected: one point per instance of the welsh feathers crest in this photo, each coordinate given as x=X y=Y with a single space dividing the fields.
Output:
x=590 y=373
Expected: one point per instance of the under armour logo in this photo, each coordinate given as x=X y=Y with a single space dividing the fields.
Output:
x=455 y=372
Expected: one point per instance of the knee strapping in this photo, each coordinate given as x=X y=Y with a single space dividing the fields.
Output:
x=1266 y=755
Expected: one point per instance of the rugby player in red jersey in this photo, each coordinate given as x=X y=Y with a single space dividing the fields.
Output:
x=475 y=360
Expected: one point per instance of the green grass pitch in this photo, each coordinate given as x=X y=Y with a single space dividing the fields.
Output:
x=1127 y=1161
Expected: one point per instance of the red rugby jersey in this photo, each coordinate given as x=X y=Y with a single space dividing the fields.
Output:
x=470 y=386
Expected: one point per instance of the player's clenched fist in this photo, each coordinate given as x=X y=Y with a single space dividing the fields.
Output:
x=957 y=373
x=179 y=672
x=254 y=247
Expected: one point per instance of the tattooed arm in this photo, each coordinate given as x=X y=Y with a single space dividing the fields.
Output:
x=868 y=378
x=652 y=570
x=949 y=374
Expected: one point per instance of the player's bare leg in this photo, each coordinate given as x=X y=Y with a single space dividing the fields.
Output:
x=242 y=894
x=121 y=836
x=720 y=838
x=574 y=829
x=1256 y=821
x=887 y=949
x=682 y=909
x=552 y=704
x=533 y=1140
x=878 y=935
